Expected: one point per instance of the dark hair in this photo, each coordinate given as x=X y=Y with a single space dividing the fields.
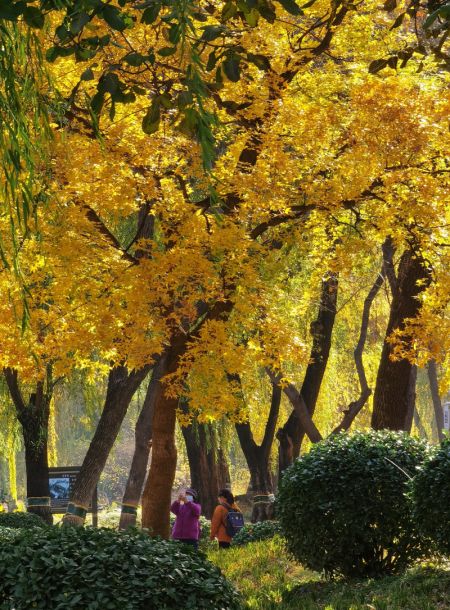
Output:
x=226 y=493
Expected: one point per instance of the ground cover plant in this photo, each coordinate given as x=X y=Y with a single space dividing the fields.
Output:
x=269 y=579
x=88 y=569
x=343 y=507
x=20 y=520
x=254 y=532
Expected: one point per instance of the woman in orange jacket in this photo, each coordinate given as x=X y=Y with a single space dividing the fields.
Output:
x=218 y=520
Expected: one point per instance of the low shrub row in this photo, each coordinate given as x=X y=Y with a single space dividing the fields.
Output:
x=256 y=532
x=88 y=569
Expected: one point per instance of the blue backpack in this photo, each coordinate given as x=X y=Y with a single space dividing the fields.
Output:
x=234 y=521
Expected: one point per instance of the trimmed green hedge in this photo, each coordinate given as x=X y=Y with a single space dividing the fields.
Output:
x=88 y=569
x=343 y=507
x=21 y=520
x=255 y=532
x=431 y=496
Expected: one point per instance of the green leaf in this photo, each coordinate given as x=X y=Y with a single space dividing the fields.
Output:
x=231 y=68
x=211 y=32
x=109 y=83
x=114 y=18
x=291 y=7
x=267 y=10
x=150 y=15
x=252 y=17
x=166 y=51
x=211 y=63
x=443 y=11
x=97 y=103
x=228 y=12
x=151 y=120
x=134 y=59
x=78 y=22
x=174 y=33
x=33 y=17
x=12 y=12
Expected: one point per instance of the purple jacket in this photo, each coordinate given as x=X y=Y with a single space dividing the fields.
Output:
x=186 y=526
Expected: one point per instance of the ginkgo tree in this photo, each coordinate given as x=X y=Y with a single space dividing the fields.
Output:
x=312 y=153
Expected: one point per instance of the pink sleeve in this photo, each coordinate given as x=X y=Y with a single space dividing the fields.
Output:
x=175 y=508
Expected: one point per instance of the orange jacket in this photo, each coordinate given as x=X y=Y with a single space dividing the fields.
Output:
x=218 y=520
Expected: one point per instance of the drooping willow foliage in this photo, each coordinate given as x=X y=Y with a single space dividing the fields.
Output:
x=24 y=136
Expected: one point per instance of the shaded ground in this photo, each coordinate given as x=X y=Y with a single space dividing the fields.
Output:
x=269 y=580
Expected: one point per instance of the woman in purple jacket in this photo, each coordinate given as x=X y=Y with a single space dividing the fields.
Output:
x=186 y=527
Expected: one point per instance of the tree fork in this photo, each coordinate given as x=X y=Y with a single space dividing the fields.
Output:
x=291 y=435
x=121 y=388
x=143 y=442
x=258 y=458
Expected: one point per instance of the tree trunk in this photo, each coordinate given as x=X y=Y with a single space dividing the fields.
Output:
x=434 y=389
x=207 y=464
x=33 y=418
x=411 y=399
x=291 y=435
x=156 y=497
x=392 y=391
x=121 y=388
x=36 y=465
x=258 y=460
x=143 y=443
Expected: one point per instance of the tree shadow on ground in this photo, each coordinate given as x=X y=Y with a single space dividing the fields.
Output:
x=422 y=588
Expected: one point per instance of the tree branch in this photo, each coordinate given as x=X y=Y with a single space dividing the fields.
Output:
x=298 y=404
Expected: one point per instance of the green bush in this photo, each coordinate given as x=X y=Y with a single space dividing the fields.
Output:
x=21 y=520
x=431 y=497
x=343 y=507
x=8 y=533
x=255 y=532
x=88 y=569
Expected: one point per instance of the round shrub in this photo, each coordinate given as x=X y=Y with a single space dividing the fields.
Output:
x=88 y=569
x=21 y=520
x=343 y=507
x=431 y=497
x=255 y=532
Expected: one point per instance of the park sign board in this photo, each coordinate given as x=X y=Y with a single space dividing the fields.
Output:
x=60 y=482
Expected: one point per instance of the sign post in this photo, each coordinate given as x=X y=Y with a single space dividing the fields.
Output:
x=446 y=409
x=61 y=481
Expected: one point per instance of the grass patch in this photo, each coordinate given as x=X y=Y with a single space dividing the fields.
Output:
x=268 y=579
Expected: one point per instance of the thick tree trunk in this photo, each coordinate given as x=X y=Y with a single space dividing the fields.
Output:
x=156 y=497
x=207 y=464
x=411 y=399
x=258 y=459
x=36 y=465
x=291 y=435
x=143 y=442
x=121 y=388
x=434 y=389
x=33 y=418
x=392 y=391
